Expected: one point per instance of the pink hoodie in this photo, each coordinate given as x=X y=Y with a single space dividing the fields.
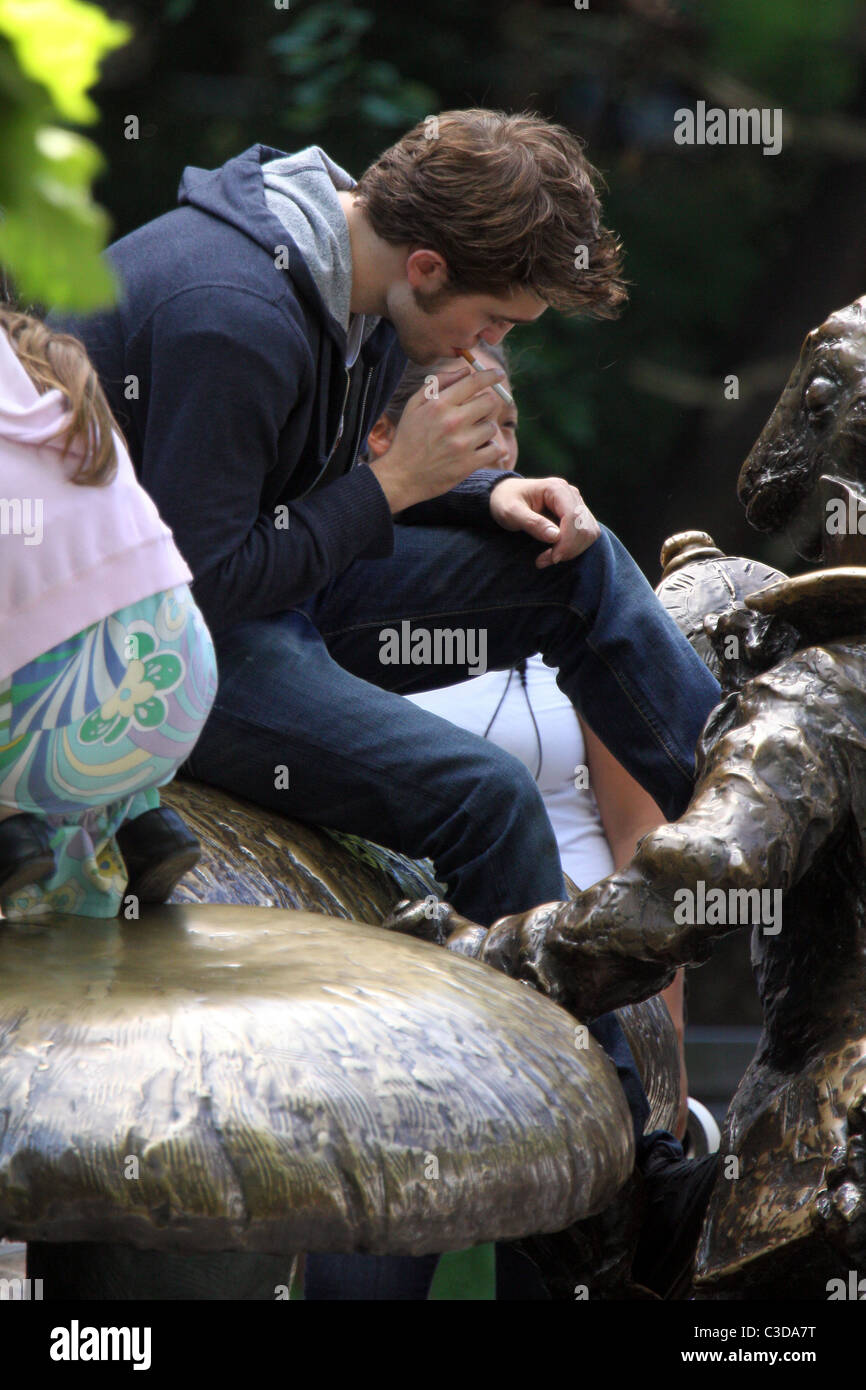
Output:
x=69 y=555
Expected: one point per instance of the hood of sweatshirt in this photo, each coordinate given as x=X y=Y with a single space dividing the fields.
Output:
x=302 y=191
x=288 y=199
x=27 y=416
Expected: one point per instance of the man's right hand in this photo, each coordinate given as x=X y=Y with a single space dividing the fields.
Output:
x=441 y=438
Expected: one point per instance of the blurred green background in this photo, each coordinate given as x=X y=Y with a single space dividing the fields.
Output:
x=732 y=255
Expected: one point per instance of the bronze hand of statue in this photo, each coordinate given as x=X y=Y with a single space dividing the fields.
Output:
x=746 y=643
x=435 y=921
x=585 y=955
x=577 y=953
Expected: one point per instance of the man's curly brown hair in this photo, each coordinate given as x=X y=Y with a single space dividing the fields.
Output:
x=507 y=201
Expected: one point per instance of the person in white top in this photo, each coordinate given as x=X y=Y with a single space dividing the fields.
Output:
x=597 y=810
x=598 y=813
x=524 y=711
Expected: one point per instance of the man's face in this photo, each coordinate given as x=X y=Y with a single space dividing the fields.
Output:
x=430 y=328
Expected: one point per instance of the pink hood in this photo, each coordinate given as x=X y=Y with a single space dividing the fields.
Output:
x=69 y=555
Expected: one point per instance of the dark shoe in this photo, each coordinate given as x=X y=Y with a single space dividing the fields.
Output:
x=26 y=855
x=158 y=849
x=677 y=1193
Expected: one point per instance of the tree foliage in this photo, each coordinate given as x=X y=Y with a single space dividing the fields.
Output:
x=731 y=254
x=51 y=231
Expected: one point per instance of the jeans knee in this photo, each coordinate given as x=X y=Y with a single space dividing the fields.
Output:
x=509 y=796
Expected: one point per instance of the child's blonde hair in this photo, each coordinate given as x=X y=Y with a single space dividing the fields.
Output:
x=59 y=361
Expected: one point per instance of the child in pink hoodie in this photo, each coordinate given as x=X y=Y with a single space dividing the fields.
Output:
x=107 y=670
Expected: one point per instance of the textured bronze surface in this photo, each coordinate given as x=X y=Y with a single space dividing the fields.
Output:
x=780 y=803
x=651 y=1035
x=250 y=855
x=288 y=1082
x=647 y=1024
x=254 y=856
x=813 y=439
x=685 y=547
x=830 y=603
x=698 y=585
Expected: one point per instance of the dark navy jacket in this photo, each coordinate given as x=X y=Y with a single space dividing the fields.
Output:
x=227 y=375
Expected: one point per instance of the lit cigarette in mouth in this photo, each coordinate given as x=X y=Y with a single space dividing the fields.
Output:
x=473 y=362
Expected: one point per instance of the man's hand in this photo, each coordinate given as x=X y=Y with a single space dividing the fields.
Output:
x=445 y=433
x=519 y=504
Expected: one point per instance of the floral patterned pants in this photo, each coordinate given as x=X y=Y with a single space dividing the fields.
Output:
x=90 y=729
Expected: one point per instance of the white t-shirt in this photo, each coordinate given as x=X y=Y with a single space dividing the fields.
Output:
x=574 y=814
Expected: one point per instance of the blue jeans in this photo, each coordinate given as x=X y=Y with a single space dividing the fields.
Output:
x=307 y=691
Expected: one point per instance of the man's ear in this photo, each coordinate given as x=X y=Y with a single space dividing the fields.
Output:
x=426 y=270
x=381 y=437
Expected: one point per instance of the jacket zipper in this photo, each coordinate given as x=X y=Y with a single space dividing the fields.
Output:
x=309 y=489
x=361 y=420
x=336 y=442
x=342 y=418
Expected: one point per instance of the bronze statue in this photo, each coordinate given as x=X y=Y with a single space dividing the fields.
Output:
x=255 y=857
x=214 y=1079
x=773 y=838
x=191 y=1096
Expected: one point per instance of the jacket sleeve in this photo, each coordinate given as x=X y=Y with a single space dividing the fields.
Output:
x=225 y=369
x=467 y=504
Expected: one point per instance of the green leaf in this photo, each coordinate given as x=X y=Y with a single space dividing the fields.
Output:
x=60 y=44
x=316 y=91
x=381 y=75
x=176 y=10
x=314 y=24
x=379 y=109
x=52 y=235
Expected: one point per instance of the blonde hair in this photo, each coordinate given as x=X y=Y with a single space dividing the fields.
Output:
x=57 y=361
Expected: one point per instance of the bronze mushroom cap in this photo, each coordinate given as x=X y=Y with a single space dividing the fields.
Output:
x=255 y=856
x=215 y=1078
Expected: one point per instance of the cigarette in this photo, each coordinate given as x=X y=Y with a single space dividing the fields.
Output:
x=473 y=362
